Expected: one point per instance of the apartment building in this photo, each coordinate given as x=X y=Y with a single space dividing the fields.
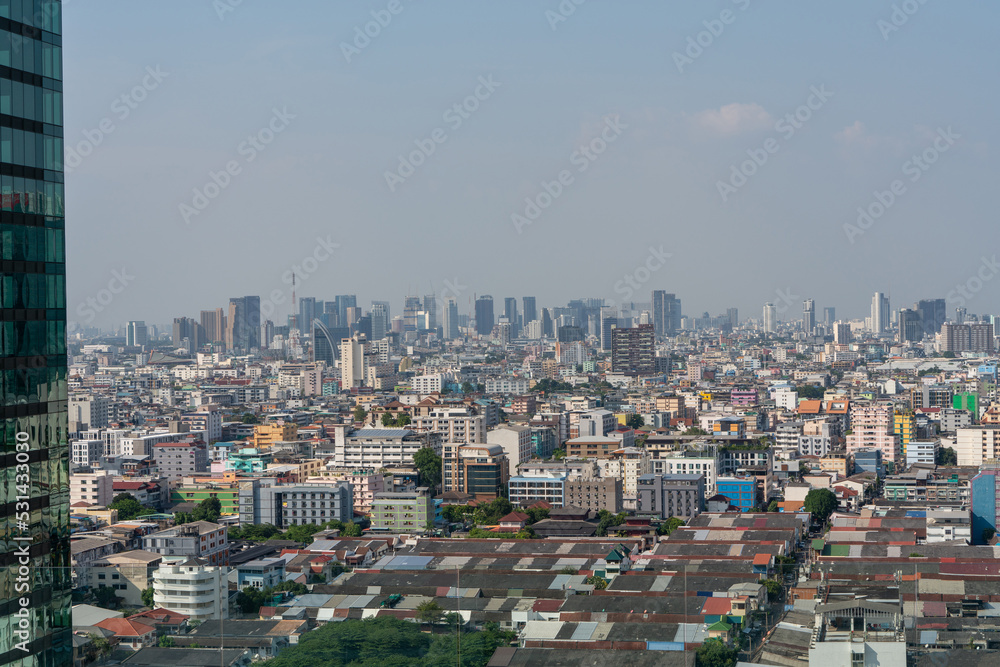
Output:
x=193 y=587
x=872 y=428
x=409 y=512
x=515 y=441
x=595 y=494
x=454 y=424
x=481 y=471
x=96 y=488
x=977 y=445
x=199 y=539
x=381 y=447
x=665 y=496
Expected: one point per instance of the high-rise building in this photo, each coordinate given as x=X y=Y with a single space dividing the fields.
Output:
x=933 y=313
x=770 y=318
x=734 y=317
x=547 y=329
x=529 y=312
x=960 y=314
x=33 y=269
x=324 y=344
x=430 y=308
x=266 y=333
x=344 y=301
x=910 y=326
x=842 y=333
x=829 y=315
x=808 y=316
x=510 y=312
x=243 y=324
x=981 y=337
x=608 y=325
x=633 y=351
x=484 y=315
x=666 y=313
x=880 y=312
x=189 y=328
x=135 y=334
x=214 y=324
x=307 y=313
x=450 y=325
x=352 y=363
x=411 y=310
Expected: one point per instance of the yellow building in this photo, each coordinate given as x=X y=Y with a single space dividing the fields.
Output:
x=834 y=464
x=905 y=428
x=265 y=435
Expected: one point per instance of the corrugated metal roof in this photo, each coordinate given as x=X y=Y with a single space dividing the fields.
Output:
x=584 y=631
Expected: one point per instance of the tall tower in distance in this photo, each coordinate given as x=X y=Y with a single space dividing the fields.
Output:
x=880 y=312
x=808 y=316
x=34 y=412
x=770 y=318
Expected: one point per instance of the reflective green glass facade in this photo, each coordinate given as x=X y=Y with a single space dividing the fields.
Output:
x=35 y=580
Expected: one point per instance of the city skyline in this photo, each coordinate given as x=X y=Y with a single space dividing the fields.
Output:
x=315 y=193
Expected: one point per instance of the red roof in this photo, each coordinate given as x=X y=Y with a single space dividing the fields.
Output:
x=762 y=559
x=547 y=605
x=134 y=486
x=123 y=627
x=161 y=615
x=717 y=606
x=515 y=517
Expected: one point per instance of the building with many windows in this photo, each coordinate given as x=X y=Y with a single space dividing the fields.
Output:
x=481 y=471
x=664 y=496
x=198 y=539
x=33 y=312
x=741 y=491
x=405 y=512
x=193 y=587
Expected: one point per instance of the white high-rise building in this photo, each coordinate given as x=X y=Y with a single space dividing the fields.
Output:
x=770 y=318
x=352 y=363
x=880 y=313
x=193 y=587
x=808 y=315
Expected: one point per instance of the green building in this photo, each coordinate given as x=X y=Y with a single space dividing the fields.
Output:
x=228 y=498
x=33 y=374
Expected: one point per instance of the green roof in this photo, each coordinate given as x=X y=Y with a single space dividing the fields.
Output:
x=818 y=544
x=720 y=625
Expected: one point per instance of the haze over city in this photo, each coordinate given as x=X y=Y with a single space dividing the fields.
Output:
x=160 y=97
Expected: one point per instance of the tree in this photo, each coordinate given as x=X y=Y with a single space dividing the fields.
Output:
x=599 y=583
x=694 y=430
x=429 y=465
x=947 y=457
x=774 y=589
x=568 y=570
x=606 y=519
x=489 y=514
x=773 y=506
x=821 y=503
x=250 y=418
x=454 y=513
x=559 y=454
x=467 y=388
x=360 y=414
x=536 y=514
x=101 y=644
x=714 y=653
x=166 y=641
x=635 y=420
x=810 y=391
x=128 y=507
x=668 y=526
x=352 y=530
x=147 y=597
x=209 y=509
x=430 y=612
x=388 y=420
x=105 y=596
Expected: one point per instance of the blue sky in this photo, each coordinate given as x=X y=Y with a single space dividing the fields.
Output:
x=555 y=86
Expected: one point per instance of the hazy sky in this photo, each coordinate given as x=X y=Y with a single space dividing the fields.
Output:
x=662 y=119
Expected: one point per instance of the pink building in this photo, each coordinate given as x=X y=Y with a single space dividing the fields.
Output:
x=871 y=428
x=365 y=483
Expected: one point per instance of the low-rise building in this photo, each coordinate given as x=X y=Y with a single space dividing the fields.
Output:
x=193 y=587
x=200 y=539
x=403 y=512
x=664 y=496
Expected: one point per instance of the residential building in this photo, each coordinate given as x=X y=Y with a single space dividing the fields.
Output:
x=985 y=496
x=481 y=471
x=688 y=462
x=974 y=446
x=260 y=573
x=523 y=490
x=454 y=424
x=872 y=428
x=869 y=460
x=408 y=512
x=595 y=494
x=181 y=459
x=282 y=505
x=515 y=441
x=200 y=539
x=128 y=573
x=665 y=496
x=922 y=451
x=96 y=488
x=633 y=351
x=949 y=525
x=740 y=491
x=383 y=447
x=194 y=587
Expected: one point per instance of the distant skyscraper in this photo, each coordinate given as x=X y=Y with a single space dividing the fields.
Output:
x=666 y=313
x=243 y=324
x=608 y=325
x=484 y=315
x=547 y=329
x=633 y=351
x=734 y=317
x=189 y=328
x=411 y=306
x=430 y=307
x=829 y=316
x=35 y=604
x=307 y=313
x=770 y=318
x=266 y=333
x=135 y=334
x=933 y=313
x=808 y=316
x=451 y=331
x=841 y=333
x=960 y=315
x=214 y=324
x=880 y=312
x=380 y=319
x=510 y=312
x=529 y=311
x=324 y=344
x=344 y=301
x=910 y=326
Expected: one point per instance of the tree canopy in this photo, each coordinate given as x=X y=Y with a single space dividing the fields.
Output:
x=668 y=526
x=714 y=653
x=635 y=420
x=489 y=514
x=821 y=503
x=128 y=507
x=429 y=465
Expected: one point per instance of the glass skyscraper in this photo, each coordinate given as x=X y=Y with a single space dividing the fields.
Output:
x=35 y=627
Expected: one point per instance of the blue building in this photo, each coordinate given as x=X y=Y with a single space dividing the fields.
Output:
x=869 y=460
x=983 y=488
x=741 y=491
x=262 y=573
